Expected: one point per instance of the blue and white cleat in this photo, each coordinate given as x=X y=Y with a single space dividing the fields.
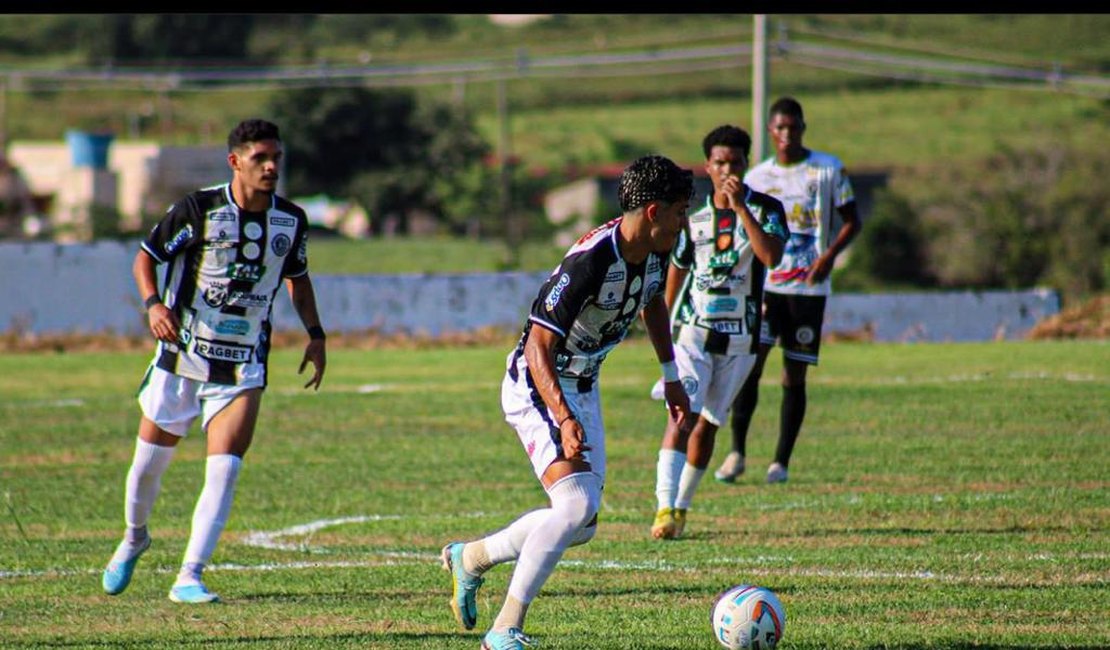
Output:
x=192 y=594
x=464 y=587
x=117 y=575
x=511 y=639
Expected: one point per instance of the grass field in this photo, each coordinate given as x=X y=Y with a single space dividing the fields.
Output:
x=941 y=496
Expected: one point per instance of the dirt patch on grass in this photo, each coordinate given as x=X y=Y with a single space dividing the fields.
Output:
x=1089 y=320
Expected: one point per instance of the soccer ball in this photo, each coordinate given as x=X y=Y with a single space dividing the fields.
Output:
x=747 y=617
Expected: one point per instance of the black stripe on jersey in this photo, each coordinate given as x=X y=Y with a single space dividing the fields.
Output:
x=758 y=273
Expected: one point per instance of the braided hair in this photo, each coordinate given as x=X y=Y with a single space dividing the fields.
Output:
x=653 y=178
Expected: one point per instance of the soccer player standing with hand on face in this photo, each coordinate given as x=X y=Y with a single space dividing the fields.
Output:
x=726 y=246
x=229 y=248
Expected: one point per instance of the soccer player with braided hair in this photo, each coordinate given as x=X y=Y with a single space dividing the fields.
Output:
x=610 y=277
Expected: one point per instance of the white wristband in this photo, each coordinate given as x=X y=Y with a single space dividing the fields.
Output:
x=670 y=371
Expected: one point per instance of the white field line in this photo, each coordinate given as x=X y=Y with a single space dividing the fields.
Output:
x=271 y=540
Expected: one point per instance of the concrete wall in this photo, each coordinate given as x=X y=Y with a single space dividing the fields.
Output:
x=54 y=288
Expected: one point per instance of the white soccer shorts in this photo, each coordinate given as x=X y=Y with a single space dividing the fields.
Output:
x=173 y=402
x=539 y=432
x=711 y=381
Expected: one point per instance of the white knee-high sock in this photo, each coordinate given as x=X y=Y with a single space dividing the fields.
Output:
x=504 y=545
x=688 y=485
x=210 y=515
x=144 y=480
x=574 y=502
x=671 y=462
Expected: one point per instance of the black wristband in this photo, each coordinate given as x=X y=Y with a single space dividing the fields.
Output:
x=316 y=333
x=152 y=299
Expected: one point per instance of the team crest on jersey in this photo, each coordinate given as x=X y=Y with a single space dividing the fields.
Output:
x=215 y=295
x=280 y=245
x=556 y=292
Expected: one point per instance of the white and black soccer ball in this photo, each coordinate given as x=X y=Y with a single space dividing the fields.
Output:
x=748 y=617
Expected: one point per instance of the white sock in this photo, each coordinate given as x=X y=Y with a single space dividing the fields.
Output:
x=671 y=462
x=144 y=480
x=505 y=544
x=688 y=485
x=574 y=502
x=210 y=515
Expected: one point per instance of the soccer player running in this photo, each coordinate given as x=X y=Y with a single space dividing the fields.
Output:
x=228 y=248
x=811 y=185
x=726 y=245
x=550 y=394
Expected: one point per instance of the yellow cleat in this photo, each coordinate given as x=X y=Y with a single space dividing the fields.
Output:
x=664 y=525
x=679 y=521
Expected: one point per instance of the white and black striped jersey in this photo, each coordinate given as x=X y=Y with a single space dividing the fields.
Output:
x=590 y=301
x=225 y=268
x=720 y=307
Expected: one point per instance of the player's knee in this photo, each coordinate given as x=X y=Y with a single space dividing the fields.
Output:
x=586 y=533
x=580 y=499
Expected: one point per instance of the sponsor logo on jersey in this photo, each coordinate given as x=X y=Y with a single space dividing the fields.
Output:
x=615 y=275
x=722 y=305
x=215 y=295
x=302 y=250
x=236 y=326
x=282 y=221
x=251 y=251
x=637 y=284
x=725 y=326
x=556 y=292
x=220 y=215
x=179 y=238
x=247 y=299
x=725 y=260
x=252 y=230
x=248 y=272
x=222 y=351
x=280 y=245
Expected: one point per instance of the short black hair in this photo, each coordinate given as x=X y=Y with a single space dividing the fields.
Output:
x=252 y=130
x=730 y=136
x=787 y=106
x=653 y=178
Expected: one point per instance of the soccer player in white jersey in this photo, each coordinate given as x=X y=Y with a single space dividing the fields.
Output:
x=550 y=390
x=726 y=246
x=229 y=248
x=811 y=185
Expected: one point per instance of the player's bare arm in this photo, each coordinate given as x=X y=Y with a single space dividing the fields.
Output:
x=162 y=322
x=675 y=278
x=657 y=321
x=303 y=297
x=849 y=228
x=539 y=351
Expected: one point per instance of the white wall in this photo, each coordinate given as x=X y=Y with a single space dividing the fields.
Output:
x=54 y=288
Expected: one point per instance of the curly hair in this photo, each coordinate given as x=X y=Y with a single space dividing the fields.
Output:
x=729 y=136
x=653 y=178
x=253 y=130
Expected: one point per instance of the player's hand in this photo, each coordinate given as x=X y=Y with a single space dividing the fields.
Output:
x=733 y=188
x=317 y=353
x=678 y=404
x=819 y=270
x=573 y=437
x=163 y=323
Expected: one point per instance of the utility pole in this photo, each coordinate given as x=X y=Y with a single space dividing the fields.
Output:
x=504 y=153
x=759 y=88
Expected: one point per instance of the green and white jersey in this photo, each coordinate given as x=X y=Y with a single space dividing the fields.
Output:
x=719 y=308
x=810 y=191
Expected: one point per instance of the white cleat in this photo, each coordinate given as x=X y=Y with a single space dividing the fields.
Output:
x=776 y=473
